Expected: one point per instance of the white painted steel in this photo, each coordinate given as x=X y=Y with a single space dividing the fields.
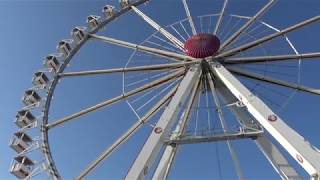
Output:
x=274 y=156
x=268 y=38
x=225 y=127
x=115 y=99
x=134 y=128
x=157 y=67
x=167 y=158
x=262 y=59
x=271 y=80
x=186 y=8
x=153 y=145
x=164 y=32
x=269 y=150
x=149 y=50
x=299 y=148
x=218 y=24
x=237 y=34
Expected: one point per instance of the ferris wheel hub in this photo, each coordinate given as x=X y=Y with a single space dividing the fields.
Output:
x=202 y=45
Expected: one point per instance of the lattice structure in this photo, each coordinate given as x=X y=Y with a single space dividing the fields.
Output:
x=191 y=70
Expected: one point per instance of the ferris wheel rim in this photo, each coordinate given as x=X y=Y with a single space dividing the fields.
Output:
x=44 y=129
x=201 y=16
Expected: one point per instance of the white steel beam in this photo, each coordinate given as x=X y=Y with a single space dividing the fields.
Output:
x=154 y=51
x=186 y=8
x=267 y=38
x=134 y=128
x=236 y=35
x=225 y=136
x=276 y=159
x=299 y=148
x=274 y=81
x=155 y=142
x=168 y=156
x=218 y=24
x=269 y=150
x=115 y=99
x=225 y=127
x=263 y=59
x=158 y=67
x=164 y=32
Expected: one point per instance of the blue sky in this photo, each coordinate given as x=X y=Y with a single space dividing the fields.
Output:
x=31 y=29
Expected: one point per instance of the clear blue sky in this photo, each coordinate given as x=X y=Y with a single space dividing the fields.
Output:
x=31 y=29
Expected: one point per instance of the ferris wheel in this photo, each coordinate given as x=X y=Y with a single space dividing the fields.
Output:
x=202 y=79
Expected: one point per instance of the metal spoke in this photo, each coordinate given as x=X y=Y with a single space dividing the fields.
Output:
x=296 y=145
x=158 y=52
x=268 y=38
x=217 y=27
x=116 y=99
x=225 y=127
x=207 y=105
x=175 y=30
x=152 y=147
x=184 y=29
x=157 y=94
x=271 y=152
x=186 y=8
x=169 y=154
x=149 y=77
x=157 y=67
x=236 y=35
x=197 y=113
x=271 y=80
x=134 y=128
x=262 y=59
x=161 y=46
x=164 y=32
x=164 y=41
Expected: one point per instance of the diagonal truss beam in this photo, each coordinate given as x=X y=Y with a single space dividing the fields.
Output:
x=271 y=80
x=225 y=127
x=276 y=159
x=186 y=8
x=268 y=38
x=218 y=24
x=134 y=128
x=169 y=153
x=237 y=34
x=117 y=98
x=157 y=67
x=262 y=59
x=149 y=50
x=269 y=150
x=300 y=149
x=156 y=26
x=155 y=142
x=226 y=136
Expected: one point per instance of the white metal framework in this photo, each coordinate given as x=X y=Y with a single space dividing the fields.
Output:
x=174 y=85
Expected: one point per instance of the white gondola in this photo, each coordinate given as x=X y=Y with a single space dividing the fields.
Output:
x=31 y=97
x=24 y=118
x=21 y=167
x=93 y=21
x=20 y=142
x=65 y=46
x=108 y=11
x=78 y=34
x=40 y=79
x=124 y=3
x=52 y=62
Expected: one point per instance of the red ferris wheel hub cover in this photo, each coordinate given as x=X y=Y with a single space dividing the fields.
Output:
x=202 y=45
